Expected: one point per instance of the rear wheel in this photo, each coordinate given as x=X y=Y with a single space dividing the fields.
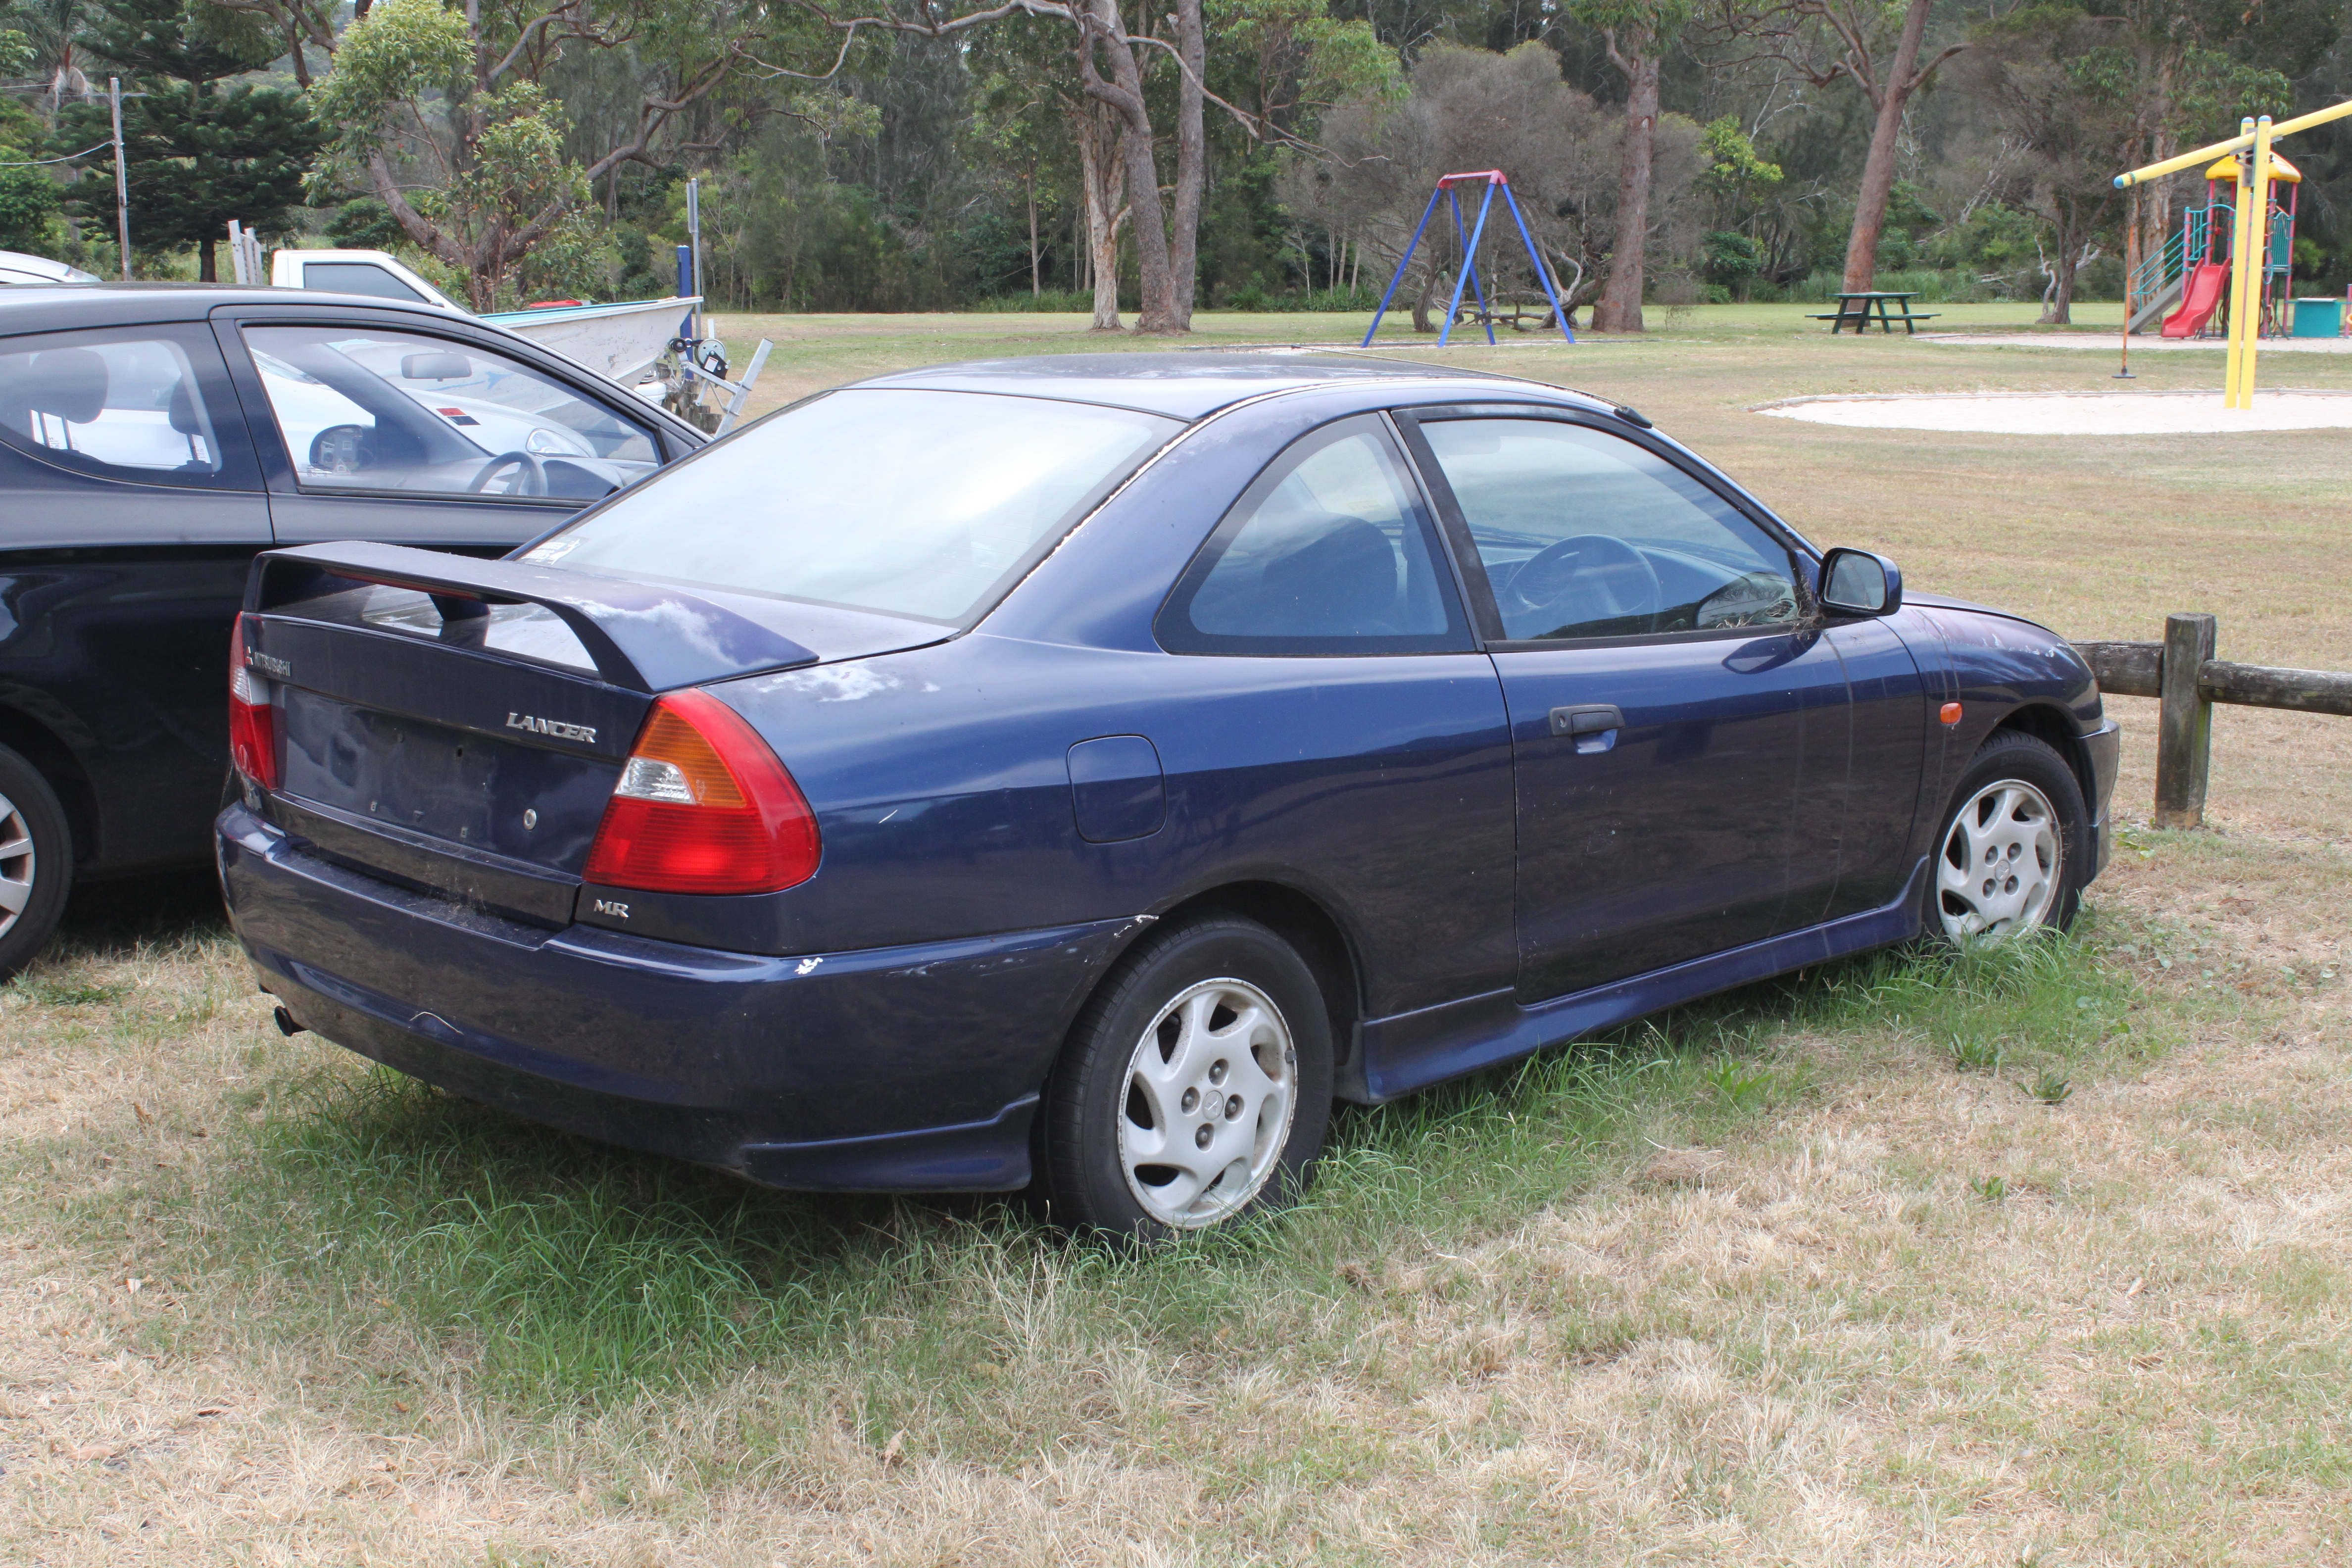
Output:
x=1197 y=1085
x=2006 y=860
x=36 y=862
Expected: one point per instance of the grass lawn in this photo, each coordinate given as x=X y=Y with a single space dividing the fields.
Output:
x=2039 y=1257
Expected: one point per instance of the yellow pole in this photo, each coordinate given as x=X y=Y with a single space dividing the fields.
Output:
x=2237 y=144
x=2259 y=201
x=2241 y=265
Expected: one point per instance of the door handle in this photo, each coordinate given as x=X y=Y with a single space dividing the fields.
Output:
x=1588 y=720
x=1593 y=726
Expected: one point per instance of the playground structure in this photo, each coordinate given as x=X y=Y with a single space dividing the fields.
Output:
x=1494 y=180
x=2186 y=280
x=2249 y=155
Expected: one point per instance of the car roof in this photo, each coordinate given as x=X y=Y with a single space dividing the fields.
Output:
x=1191 y=383
x=65 y=307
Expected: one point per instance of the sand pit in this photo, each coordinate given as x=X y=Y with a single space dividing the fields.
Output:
x=2074 y=413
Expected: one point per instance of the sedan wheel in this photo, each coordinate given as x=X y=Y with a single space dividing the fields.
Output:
x=2002 y=868
x=2000 y=863
x=36 y=862
x=20 y=865
x=1211 y=1091
x=1196 y=1085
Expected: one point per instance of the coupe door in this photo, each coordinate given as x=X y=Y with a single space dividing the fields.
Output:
x=407 y=436
x=1679 y=740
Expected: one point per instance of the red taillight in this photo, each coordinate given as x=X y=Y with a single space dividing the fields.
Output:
x=703 y=806
x=252 y=722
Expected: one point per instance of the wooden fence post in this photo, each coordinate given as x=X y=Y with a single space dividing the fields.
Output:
x=2184 y=738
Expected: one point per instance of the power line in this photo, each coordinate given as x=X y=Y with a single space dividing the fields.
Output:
x=68 y=158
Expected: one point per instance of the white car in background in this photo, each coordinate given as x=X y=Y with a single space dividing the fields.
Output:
x=16 y=266
x=619 y=341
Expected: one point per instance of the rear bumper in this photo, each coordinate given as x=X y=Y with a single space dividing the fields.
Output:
x=892 y=1070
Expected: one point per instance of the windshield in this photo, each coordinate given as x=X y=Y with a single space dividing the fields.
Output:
x=930 y=504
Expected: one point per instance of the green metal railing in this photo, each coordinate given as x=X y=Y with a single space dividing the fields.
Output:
x=2156 y=272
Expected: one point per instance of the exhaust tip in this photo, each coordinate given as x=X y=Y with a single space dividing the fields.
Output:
x=286 y=1024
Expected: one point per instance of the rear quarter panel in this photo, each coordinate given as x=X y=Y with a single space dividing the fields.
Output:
x=1379 y=788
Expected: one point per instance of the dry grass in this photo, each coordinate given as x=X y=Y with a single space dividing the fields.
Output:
x=1773 y=1282
x=1872 y=1310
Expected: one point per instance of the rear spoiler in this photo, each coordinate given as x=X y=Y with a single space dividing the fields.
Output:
x=641 y=637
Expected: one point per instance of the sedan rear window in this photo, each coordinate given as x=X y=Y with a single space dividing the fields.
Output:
x=929 y=504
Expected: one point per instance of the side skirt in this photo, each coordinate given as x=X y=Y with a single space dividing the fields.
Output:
x=1409 y=1051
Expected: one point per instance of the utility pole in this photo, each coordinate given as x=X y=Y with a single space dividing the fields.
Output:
x=122 y=184
x=694 y=240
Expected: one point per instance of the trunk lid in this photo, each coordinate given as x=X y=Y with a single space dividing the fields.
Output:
x=458 y=725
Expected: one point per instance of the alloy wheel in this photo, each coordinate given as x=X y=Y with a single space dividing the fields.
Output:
x=2000 y=865
x=1211 y=1091
x=19 y=864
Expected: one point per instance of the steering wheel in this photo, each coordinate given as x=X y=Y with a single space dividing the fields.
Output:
x=530 y=481
x=1584 y=577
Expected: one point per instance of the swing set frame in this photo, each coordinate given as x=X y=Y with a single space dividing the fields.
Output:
x=1494 y=180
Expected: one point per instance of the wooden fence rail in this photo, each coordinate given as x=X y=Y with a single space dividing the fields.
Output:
x=2181 y=673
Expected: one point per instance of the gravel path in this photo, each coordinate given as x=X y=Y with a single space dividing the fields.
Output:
x=2076 y=412
x=2141 y=344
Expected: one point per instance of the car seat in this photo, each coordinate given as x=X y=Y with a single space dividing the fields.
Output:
x=1340 y=583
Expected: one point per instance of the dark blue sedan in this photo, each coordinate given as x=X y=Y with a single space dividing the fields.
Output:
x=1079 y=772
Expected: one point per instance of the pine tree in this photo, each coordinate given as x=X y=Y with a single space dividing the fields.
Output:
x=196 y=154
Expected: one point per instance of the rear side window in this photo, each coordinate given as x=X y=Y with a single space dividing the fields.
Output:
x=1329 y=552
x=128 y=405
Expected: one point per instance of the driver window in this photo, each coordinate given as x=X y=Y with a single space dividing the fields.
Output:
x=376 y=411
x=1585 y=534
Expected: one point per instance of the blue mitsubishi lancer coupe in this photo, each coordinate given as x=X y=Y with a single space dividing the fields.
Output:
x=1076 y=774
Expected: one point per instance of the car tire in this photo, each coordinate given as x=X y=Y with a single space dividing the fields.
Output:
x=2009 y=857
x=36 y=862
x=1196 y=1086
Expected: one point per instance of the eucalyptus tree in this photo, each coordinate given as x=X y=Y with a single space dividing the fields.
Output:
x=1115 y=62
x=1872 y=46
x=443 y=114
x=1636 y=36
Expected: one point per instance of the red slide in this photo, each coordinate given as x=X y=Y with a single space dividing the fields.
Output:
x=2196 y=301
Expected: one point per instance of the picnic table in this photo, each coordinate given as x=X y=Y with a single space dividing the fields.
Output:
x=1513 y=310
x=1860 y=309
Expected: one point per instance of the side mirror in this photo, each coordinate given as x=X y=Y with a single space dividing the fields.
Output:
x=1856 y=582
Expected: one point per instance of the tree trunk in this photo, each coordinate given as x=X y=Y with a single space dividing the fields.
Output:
x=1423 y=296
x=1619 y=309
x=207 y=270
x=1103 y=180
x=1035 y=288
x=2059 y=311
x=1147 y=218
x=2156 y=210
x=1878 y=167
x=1191 y=165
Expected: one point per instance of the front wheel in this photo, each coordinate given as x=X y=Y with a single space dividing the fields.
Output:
x=2006 y=862
x=1197 y=1085
x=36 y=862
